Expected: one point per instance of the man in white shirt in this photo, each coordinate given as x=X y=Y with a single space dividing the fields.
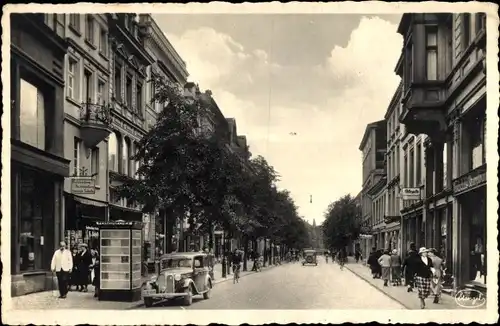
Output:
x=62 y=264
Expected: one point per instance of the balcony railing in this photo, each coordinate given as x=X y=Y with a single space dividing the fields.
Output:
x=96 y=120
x=95 y=113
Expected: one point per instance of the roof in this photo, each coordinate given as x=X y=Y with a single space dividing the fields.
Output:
x=369 y=127
x=395 y=100
x=404 y=23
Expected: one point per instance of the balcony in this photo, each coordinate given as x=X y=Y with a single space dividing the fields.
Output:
x=95 y=123
x=391 y=219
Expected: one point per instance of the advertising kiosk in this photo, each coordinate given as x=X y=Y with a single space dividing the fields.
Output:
x=120 y=261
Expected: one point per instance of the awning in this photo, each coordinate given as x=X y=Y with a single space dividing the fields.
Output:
x=391 y=228
x=88 y=201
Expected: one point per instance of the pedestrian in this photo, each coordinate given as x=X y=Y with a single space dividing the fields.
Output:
x=423 y=275
x=62 y=265
x=84 y=263
x=396 y=268
x=385 y=265
x=373 y=263
x=73 y=276
x=408 y=266
x=96 y=267
x=357 y=255
x=437 y=277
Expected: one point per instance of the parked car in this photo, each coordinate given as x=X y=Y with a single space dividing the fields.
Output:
x=181 y=275
x=310 y=257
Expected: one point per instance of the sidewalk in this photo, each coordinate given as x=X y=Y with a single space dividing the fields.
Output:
x=85 y=300
x=399 y=293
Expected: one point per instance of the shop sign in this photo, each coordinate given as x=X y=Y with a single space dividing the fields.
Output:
x=470 y=181
x=83 y=186
x=410 y=193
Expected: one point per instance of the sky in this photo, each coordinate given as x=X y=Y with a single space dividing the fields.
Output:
x=323 y=77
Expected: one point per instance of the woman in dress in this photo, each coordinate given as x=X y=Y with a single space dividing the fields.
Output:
x=423 y=275
x=85 y=261
x=385 y=265
x=73 y=278
x=395 y=268
x=437 y=277
x=96 y=280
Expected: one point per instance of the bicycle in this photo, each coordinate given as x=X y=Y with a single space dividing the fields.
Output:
x=236 y=273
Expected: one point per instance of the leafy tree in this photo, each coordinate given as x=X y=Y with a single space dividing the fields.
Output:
x=342 y=222
x=185 y=170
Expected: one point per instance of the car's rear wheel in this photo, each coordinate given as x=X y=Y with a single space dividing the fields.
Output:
x=188 y=298
x=148 y=302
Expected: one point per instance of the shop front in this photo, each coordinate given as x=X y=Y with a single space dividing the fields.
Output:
x=470 y=192
x=412 y=229
x=81 y=216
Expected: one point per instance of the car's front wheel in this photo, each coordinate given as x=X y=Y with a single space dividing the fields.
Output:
x=188 y=298
x=207 y=294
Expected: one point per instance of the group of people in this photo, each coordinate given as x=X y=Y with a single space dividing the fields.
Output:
x=423 y=269
x=78 y=268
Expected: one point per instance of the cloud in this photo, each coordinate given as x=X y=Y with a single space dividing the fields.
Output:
x=326 y=105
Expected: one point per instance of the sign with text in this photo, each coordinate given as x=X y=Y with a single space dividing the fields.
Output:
x=83 y=186
x=410 y=193
x=472 y=180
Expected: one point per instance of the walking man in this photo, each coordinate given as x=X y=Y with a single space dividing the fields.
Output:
x=62 y=264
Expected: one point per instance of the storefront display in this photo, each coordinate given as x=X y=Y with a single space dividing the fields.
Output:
x=121 y=259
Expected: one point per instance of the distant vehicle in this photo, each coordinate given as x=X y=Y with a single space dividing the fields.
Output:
x=310 y=257
x=181 y=275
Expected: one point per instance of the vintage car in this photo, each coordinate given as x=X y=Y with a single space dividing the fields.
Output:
x=181 y=275
x=310 y=257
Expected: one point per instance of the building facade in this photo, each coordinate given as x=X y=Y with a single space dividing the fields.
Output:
x=160 y=232
x=444 y=78
x=86 y=126
x=392 y=215
x=38 y=166
x=373 y=147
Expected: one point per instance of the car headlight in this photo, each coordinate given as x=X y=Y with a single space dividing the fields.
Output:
x=177 y=277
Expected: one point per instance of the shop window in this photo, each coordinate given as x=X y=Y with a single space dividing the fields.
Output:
x=31 y=211
x=476 y=130
x=477 y=259
x=32 y=115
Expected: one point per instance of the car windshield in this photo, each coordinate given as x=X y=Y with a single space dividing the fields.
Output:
x=176 y=262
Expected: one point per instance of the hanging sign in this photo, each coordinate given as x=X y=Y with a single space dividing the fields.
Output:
x=410 y=193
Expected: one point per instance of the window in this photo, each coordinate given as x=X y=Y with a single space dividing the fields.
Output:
x=125 y=156
x=113 y=152
x=59 y=24
x=74 y=22
x=128 y=91
x=466 y=30
x=76 y=156
x=72 y=79
x=103 y=41
x=480 y=22
x=408 y=71
x=100 y=92
x=94 y=164
x=89 y=29
x=431 y=53
x=118 y=81
x=138 y=98
x=476 y=140
x=32 y=115
x=32 y=210
x=419 y=165
x=87 y=86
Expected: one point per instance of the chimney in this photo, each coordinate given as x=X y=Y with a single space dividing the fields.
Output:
x=208 y=92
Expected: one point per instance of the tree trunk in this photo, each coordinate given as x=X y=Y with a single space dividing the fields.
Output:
x=210 y=237
x=245 y=246
x=265 y=253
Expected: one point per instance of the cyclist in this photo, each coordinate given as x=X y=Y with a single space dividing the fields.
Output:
x=236 y=262
x=342 y=256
